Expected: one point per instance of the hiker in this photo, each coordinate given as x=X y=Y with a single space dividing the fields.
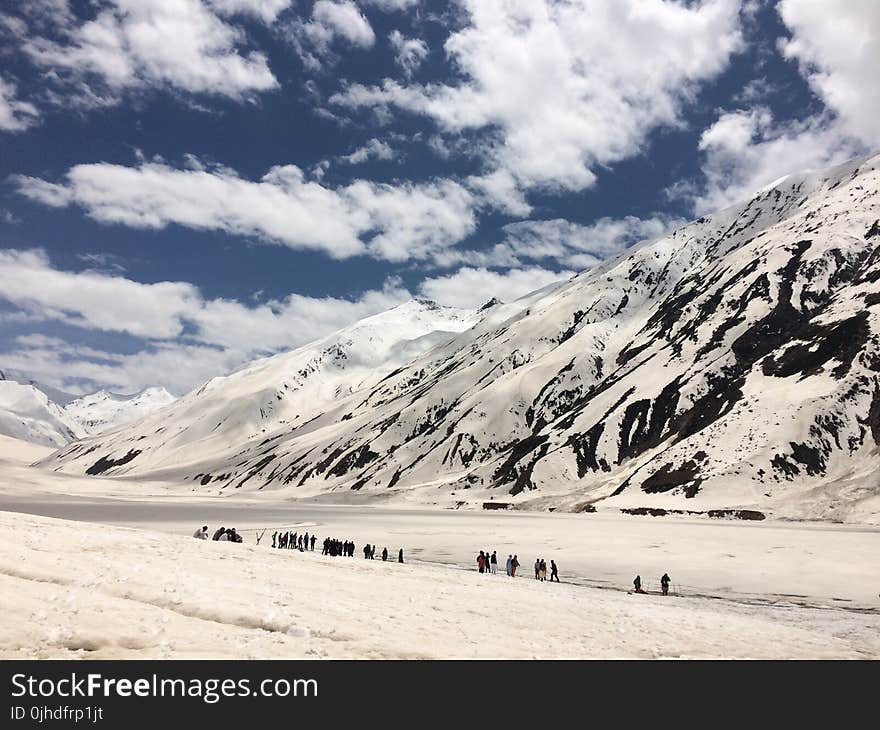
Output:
x=493 y=563
x=664 y=584
x=314 y=539
x=384 y=554
x=217 y=534
x=400 y=556
x=513 y=566
x=201 y=533
x=554 y=573
x=537 y=568
x=637 y=582
x=481 y=562
x=509 y=563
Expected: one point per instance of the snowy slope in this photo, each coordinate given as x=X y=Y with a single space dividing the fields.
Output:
x=731 y=364
x=284 y=392
x=26 y=413
x=104 y=410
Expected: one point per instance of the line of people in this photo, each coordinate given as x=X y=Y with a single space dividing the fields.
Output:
x=291 y=541
x=488 y=564
x=370 y=553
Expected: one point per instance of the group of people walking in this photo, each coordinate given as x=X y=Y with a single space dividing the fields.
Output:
x=291 y=541
x=487 y=563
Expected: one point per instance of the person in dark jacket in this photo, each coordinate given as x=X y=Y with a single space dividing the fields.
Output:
x=219 y=532
x=400 y=556
x=554 y=573
x=637 y=583
x=314 y=539
x=493 y=563
x=384 y=554
x=514 y=564
x=664 y=584
x=481 y=562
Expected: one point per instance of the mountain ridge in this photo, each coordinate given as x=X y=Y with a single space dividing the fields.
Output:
x=731 y=364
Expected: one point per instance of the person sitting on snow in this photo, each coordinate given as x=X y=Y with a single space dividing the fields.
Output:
x=201 y=533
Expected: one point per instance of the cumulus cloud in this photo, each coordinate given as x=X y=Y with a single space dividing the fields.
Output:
x=264 y=10
x=837 y=46
x=472 y=287
x=746 y=150
x=373 y=149
x=184 y=337
x=15 y=115
x=391 y=222
x=392 y=5
x=566 y=243
x=330 y=20
x=409 y=53
x=126 y=45
x=559 y=88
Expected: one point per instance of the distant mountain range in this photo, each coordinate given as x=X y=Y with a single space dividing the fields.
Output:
x=732 y=364
x=41 y=414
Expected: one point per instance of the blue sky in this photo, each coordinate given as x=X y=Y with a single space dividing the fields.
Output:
x=189 y=184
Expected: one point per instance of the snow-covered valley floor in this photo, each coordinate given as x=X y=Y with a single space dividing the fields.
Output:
x=90 y=575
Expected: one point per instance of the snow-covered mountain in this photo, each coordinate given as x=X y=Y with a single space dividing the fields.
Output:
x=732 y=364
x=103 y=410
x=282 y=393
x=45 y=415
x=27 y=413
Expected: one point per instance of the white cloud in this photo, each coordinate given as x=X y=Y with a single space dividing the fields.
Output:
x=837 y=46
x=472 y=287
x=392 y=222
x=330 y=20
x=563 y=242
x=747 y=149
x=373 y=149
x=132 y=44
x=264 y=10
x=15 y=115
x=408 y=52
x=392 y=5
x=185 y=337
x=562 y=87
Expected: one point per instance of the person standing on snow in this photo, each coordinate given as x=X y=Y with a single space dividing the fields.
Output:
x=384 y=554
x=493 y=563
x=201 y=533
x=537 y=568
x=554 y=573
x=513 y=566
x=509 y=564
x=314 y=539
x=481 y=562
x=664 y=584
x=400 y=556
x=637 y=583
